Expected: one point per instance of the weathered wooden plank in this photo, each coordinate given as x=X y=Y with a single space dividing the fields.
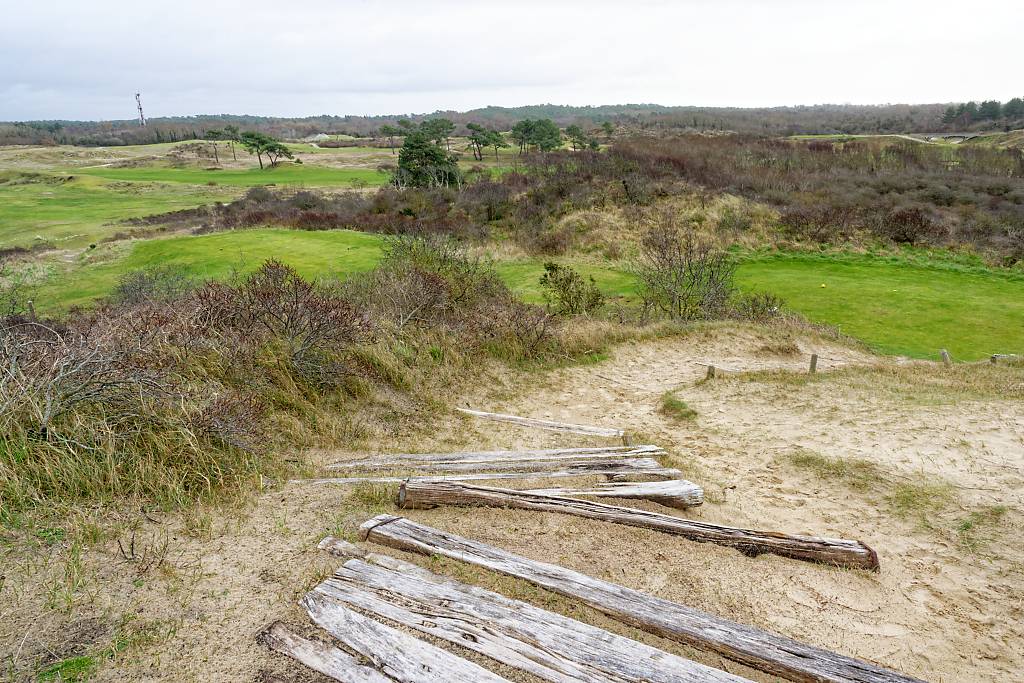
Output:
x=326 y=659
x=545 y=644
x=584 y=465
x=676 y=493
x=544 y=424
x=761 y=650
x=397 y=654
x=841 y=552
x=398 y=459
x=632 y=467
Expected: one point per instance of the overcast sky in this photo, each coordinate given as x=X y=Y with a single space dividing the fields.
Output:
x=78 y=59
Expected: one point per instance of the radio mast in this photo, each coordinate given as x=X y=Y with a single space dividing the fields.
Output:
x=138 y=101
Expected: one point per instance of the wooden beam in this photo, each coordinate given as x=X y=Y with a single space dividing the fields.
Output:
x=326 y=659
x=840 y=552
x=761 y=650
x=547 y=645
x=396 y=653
x=393 y=460
x=544 y=424
x=633 y=467
x=584 y=465
x=676 y=493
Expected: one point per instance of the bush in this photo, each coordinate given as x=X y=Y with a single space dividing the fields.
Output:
x=680 y=275
x=566 y=292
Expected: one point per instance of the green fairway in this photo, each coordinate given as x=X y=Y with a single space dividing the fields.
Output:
x=898 y=308
x=73 y=213
x=895 y=307
x=285 y=174
x=216 y=256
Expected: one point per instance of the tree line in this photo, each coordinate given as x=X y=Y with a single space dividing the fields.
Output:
x=966 y=113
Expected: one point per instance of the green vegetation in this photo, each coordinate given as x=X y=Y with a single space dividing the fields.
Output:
x=283 y=174
x=895 y=307
x=217 y=256
x=900 y=308
x=73 y=211
x=676 y=408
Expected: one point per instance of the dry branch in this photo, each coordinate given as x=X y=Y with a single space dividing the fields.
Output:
x=751 y=646
x=841 y=552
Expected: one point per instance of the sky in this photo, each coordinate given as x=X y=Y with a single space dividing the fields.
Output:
x=69 y=59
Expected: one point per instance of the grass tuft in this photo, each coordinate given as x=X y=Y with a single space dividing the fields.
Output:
x=676 y=408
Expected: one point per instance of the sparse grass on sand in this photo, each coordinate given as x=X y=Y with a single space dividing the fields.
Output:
x=676 y=408
x=930 y=502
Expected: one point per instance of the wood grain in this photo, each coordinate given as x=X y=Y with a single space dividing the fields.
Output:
x=836 y=551
x=761 y=650
x=534 y=640
x=395 y=653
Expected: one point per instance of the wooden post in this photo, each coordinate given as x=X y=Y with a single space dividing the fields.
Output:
x=31 y=311
x=814 y=363
x=711 y=372
x=946 y=360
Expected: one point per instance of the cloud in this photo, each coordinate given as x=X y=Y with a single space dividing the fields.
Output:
x=86 y=60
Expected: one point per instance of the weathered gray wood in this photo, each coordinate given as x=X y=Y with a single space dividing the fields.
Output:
x=676 y=493
x=327 y=659
x=397 y=654
x=544 y=424
x=393 y=460
x=602 y=463
x=632 y=468
x=751 y=646
x=841 y=552
x=946 y=360
x=814 y=363
x=545 y=644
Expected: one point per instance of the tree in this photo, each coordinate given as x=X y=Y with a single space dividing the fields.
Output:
x=521 y=134
x=229 y=133
x=577 y=137
x=497 y=141
x=439 y=130
x=1014 y=109
x=260 y=144
x=990 y=110
x=422 y=163
x=480 y=137
x=545 y=135
x=390 y=132
x=608 y=127
x=950 y=115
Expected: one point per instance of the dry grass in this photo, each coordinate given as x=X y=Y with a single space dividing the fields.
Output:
x=919 y=383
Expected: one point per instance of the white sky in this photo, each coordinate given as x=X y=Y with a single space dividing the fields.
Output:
x=85 y=59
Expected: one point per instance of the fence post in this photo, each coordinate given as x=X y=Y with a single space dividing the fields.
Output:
x=946 y=360
x=814 y=363
x=711 y=372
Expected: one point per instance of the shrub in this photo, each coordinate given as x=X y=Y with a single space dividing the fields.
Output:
x=566 y=292
x=680 y=275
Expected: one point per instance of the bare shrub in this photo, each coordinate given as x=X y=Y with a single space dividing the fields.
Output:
x=758 y=306
x=161 y=283
x=681 y=275
x=276 y=302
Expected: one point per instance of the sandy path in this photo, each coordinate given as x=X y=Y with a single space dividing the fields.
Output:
x=936 y=610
